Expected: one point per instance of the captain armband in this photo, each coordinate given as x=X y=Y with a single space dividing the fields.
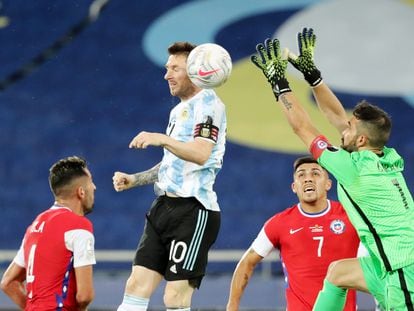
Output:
x=318 y=145
x=207 y=130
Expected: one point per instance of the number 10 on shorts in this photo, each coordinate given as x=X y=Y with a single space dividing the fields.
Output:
x=177 y=251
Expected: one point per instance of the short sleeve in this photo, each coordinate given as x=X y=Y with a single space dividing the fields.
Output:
x=19 y=258
x=82 y=243
x=209 y=117
x=262 y=245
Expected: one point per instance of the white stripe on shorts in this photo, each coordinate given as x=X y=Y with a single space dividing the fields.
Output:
x=192 y=253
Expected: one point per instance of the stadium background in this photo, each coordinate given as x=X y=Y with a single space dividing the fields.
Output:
x=106 y=84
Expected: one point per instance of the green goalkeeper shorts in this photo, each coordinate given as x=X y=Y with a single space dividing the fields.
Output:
x=388 y=291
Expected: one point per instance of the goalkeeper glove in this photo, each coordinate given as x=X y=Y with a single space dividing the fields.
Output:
x=304 y=62
x=273 y=64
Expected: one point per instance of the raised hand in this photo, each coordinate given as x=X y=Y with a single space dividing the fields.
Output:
x=122 y=181
x=304 y=62
x=273 y=64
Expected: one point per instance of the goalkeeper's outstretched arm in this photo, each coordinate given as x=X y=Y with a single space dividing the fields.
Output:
x=328 y=103
x=330 y=106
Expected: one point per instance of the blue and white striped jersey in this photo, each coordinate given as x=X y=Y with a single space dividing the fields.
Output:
x=202 y=117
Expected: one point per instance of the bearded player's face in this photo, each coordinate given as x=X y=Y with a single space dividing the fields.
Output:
x=89 y=197
x=350 y=136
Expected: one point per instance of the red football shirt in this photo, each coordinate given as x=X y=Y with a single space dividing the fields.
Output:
x=57 y=241
x=308 y=243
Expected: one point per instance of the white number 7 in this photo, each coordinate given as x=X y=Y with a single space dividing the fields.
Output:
x=320 y=239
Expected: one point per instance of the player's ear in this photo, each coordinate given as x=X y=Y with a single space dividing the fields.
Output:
x=80 y=192
x=293 y=186
x=328 y=184
x=362 y=140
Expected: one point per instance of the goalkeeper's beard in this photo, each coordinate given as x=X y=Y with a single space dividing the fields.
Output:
x=351 y=146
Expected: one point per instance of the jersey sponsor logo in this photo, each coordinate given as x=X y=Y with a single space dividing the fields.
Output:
x=316 y=228
x=337 y=226
x=293 y=231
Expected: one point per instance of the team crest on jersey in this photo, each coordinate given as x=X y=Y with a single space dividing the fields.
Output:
x=337 y=226
x=184 y=115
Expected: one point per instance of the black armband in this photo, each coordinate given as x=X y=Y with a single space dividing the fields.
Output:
x=207 y=130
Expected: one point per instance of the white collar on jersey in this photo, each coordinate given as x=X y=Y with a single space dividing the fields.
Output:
x=57 y=206
x=322 y=213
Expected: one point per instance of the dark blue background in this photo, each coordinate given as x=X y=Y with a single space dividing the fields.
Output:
x=97 y=93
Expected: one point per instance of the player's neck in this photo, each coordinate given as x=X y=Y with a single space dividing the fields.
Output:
x=194 y=91
x=378 y=151
x=314 y=207
x=74 y=206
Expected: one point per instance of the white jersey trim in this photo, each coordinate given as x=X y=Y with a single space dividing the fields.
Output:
x=19 y=258
x=262 y=245
x=82 y=243
x=323 y=213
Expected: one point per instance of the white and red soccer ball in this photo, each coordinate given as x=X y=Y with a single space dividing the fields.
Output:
x=209 y=65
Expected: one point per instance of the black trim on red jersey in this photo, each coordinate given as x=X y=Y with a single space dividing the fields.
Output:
x=371 y=228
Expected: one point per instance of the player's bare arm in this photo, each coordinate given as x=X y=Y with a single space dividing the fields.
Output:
x=241 y=277
x=12 y=284
x=331 y=107
x=298 y=119
x=84 y=286
x=327 y=101
x=197 y=151
x=123 y=181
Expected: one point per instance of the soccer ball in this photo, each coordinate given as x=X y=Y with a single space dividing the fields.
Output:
x=209 y=65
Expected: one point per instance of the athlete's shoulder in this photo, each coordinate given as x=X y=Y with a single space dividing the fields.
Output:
x=72 y=221
x=336 y=205
x=337 y=208
x=209 y=98
x=285 y=214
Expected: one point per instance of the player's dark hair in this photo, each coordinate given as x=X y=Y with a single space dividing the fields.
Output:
x=181 y=47
x=64 y=171
x=376 y=121
x=303 y=160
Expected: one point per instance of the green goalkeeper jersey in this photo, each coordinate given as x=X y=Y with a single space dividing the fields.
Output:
x=374 y=193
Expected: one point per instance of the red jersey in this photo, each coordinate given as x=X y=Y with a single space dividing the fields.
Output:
x=308 y=243
x=57 y=241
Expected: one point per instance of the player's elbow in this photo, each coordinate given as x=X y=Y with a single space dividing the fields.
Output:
x=84 y=298
x=201 y=159
x=6 y=283
x=201 y=156
x=3 y=285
